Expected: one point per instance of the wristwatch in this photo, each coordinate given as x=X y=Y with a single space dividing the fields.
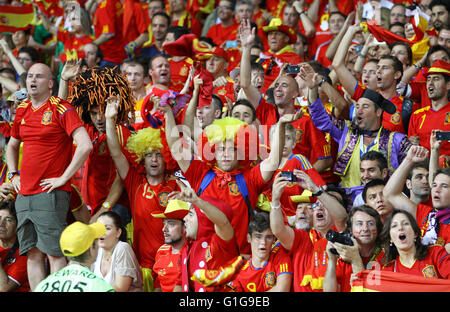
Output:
x=319 y=192
x=12 y=174
x=322 y=81
x=106 y=205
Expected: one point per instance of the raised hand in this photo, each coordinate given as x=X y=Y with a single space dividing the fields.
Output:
x=246 y=33
x=305 y=181
x=278 y=186
x=417 y=153
x=434 y=143
x=197 y=81
x=70 y=69
x=288 y=118
x=308 y=74
x=186 y=193
x=112 y=107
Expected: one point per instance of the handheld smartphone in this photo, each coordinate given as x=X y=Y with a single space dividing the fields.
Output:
x=21 y=94
x=443 y=136
x=289 y=175
x=292 y=69
x=231 y=44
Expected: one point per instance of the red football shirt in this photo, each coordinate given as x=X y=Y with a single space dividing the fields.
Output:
x=251 y=279
x=108 y=20
x=144 y=200
x=47 y=143
x=231 y=195
x=422 y=217
x=269 y=62
x=220 y=34
x=72 y=43
x=426 y=119
x=16 y=269
x=301 y=252
x=295 y=162
x=344 y=270
x=321 y=54
x=311 y=142
x=179 y=71
x=435 y=265
x=167 y=267
x=99 y=171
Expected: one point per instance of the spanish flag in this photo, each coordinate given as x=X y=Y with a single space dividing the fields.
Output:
x=15 y=18
x=386 y=281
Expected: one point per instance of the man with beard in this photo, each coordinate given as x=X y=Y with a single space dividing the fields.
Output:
x=437 y=115
x=148 y=185
x=159 y=25
x=440 y=14
x=304 y=212
x=308 y=248
x=418 y=184
x=364 y=223
x=167 y=259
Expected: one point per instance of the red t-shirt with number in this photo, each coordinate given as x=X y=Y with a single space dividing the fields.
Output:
x=146 y=199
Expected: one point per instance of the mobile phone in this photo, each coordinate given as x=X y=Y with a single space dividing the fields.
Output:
x=21 y=94
x=231 y=44
x=292 y=69
x=358 y=48
x=289 y=175
x=443 y=136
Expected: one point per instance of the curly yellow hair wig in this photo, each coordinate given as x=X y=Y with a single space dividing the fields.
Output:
x=144 y=141
x=223 y=129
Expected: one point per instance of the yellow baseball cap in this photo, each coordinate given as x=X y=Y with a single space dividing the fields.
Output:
x=176 y=209
x=78 y=237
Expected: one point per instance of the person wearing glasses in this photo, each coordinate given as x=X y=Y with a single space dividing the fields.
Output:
x=308 y=248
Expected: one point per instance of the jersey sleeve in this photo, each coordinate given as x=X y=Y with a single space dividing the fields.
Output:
x=18 y=270
x=283 y=262
x=68 y=117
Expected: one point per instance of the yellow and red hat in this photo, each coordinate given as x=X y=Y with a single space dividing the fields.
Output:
x=220 y=52
x=176 y=209
x=439 y=67
x=276 y=24
x=305 y=197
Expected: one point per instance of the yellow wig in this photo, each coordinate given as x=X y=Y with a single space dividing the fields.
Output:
x=223 y=129
x=144 y=141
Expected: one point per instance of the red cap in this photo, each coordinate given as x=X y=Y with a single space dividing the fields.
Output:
x=439 y=67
